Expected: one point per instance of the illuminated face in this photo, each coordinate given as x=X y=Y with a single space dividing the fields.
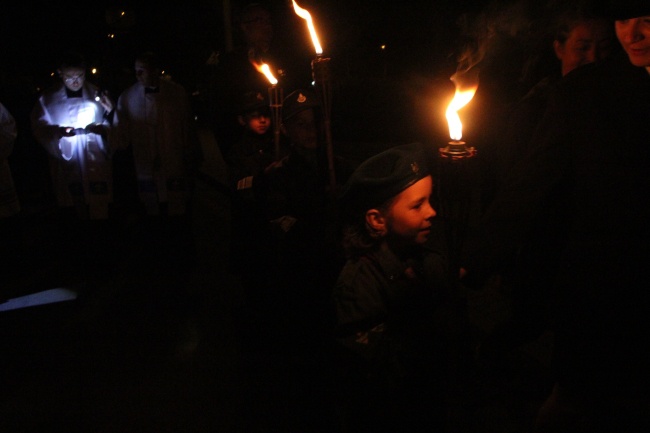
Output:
x=73 y=77
x=409 y=216
x=145 y=74
x=258 y=122
x=634 y=36
x=588 y=42
x=302 y=129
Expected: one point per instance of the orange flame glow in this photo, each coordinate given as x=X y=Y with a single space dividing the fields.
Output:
x=463 y=95
x=305 y=15
x=264 y=69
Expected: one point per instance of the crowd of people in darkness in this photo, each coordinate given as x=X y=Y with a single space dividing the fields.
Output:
x=329 y=273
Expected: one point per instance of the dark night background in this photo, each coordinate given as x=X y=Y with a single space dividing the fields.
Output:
x=187 y=31
x=112 y=362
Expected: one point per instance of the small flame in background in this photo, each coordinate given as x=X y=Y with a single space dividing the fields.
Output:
x=466 y=86
x=304 y=14
x=264 y=69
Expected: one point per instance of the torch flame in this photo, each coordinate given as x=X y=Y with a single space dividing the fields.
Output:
x=264 y=69
x=305 y=15
x=461 y=98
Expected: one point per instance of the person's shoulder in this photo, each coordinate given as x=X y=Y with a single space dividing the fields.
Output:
x=594 y=76
x=172 y=87
x=170 y=83
x=599 y=82
x=134 y=88
x=52 y=94
x=356 y=272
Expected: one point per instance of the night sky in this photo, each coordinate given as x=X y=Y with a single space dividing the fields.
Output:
x=423 y=43
x=185 y=32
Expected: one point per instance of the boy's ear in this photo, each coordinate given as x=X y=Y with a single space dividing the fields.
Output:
x=376 y=221
x=241 y=120
x=558 y=49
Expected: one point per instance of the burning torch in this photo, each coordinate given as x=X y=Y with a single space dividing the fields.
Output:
x=275 y=102
x=454 y=185
x=321 y=75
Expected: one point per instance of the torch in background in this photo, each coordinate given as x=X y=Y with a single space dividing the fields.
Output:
x=456 y=175
x=321 y=75
x=275 y=102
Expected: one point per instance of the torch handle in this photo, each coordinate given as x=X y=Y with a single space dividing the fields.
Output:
x=275 y=103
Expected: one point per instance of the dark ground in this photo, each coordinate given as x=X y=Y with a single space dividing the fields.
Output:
x=175 y=348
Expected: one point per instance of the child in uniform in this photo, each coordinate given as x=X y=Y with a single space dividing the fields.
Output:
x=389 y=289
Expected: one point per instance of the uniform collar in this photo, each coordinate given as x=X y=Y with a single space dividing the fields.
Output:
x=392 y=265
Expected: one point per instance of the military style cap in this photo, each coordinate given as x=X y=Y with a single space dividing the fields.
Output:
x=383 y=176
x=251 y=101
x=626 y=9
x=297 y=101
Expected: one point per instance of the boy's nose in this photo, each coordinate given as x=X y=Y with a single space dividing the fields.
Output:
x=431 y=211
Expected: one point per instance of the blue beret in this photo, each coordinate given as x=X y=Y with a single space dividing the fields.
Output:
x=383 y=176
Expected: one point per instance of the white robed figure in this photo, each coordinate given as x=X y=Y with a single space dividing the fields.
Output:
x=155 y=118
x=71 y=122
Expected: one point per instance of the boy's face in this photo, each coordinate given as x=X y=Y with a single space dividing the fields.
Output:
x=302 y=129
x=258 y=122
x=634 y=36
x=409 y=216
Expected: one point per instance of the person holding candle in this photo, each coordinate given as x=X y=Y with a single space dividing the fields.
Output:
x=590 y=151
x=72 y=121
x=73 y=127
x=388 y=292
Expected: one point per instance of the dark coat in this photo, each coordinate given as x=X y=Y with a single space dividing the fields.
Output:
x=385 y=311
x=590 y=150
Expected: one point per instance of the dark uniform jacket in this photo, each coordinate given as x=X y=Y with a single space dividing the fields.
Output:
x=592 y=151
x=385 y=309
